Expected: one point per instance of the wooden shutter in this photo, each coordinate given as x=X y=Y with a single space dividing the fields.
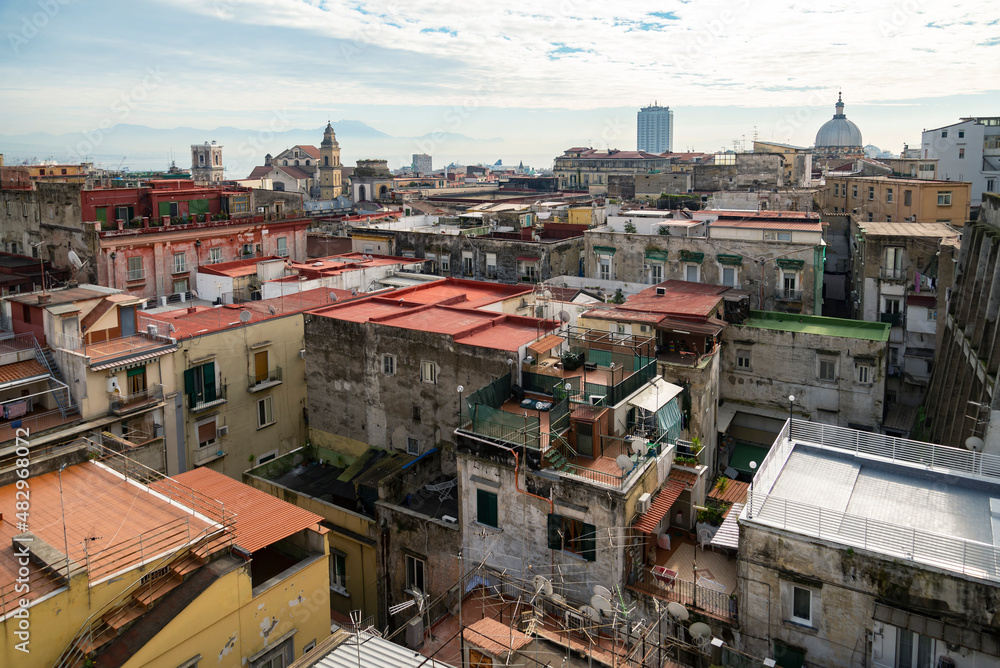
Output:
x=206 y=432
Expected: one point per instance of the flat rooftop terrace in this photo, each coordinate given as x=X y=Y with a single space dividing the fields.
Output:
x=930 y=504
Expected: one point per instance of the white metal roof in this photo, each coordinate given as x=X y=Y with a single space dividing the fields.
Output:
x=376 y=652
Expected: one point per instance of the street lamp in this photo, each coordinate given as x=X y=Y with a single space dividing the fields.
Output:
x=460 y=390
x=791 y=400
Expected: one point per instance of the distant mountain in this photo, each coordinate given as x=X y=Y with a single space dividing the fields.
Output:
x=141 y=147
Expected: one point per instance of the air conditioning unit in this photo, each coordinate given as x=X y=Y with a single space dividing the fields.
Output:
x=222 y=430
x=415 y=633
x=596 y=399
x=302 y=354
x=645 y=267
x=642 y=506
x=529 y=360
x=152 y=329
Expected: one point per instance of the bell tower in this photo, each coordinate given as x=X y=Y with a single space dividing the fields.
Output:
x=329 y=166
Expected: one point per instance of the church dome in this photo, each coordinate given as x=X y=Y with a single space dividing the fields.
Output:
x=838 y=132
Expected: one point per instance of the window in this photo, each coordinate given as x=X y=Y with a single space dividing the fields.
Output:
x=529 y=271
x=961 y=134
x=932 y=314
x=137 y=380
x=871 y=192
x=888 y=219
x=890 y=396
x=864 y=373
x=446 y=263
x=389 y=365
x=944 y=134
x=135 y=272
x=907 y=198
x=692 y=272
x=412 y=446
x=827 y=369
x=802 y=606
x=414 y=573
x=125 y=213
x=871 y=216
x=784 y=236
x=570 y=535
x=200 y=385
x=893 y=306
x=265 y=413
x=261 y=373
x=743 y=359
x=415 y=413
x=789 y=285
x=428 y=372
x=913 y=650
x=180 y=263
x=215 y=255
x=854 y=192
x=491 y=265
x=604 y=268
x=888 y=194
x=655 y=273
x=338 y=572
x=486 y=508
x=282 y=247
x=944 y=198
x=207 y=433
x=893 y=263
x=961 y=154
x=276 y=657
x=836 y=190
x=467 y=263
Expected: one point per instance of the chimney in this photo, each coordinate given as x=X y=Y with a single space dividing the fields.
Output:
x=44 y=298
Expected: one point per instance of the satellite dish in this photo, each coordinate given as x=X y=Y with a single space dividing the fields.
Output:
x=600 y=590
x=624 y=462
x=677 y=611
x=563 y=316
x=245 y=316
x=74 y=259
x=639 y=447
x=974 y=443
x=590 y=612
x=270 y=309
x=557 y=598
x=333 y=296
x=602 y=604
x=700 y=632
x=542 y=585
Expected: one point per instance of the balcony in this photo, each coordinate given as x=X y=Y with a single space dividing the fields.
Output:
x=894 y=319
x=201 y=401
x=180 y=268
x=262 y=381
x=788 y=295
x=893 y=273
x=124 y=404
x=207 y=454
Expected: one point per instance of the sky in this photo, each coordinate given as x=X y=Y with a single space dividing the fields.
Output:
x=541 y=77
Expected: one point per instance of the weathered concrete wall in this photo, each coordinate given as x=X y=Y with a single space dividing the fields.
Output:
x=787 y=363
x=845 y=586
x=652 y=185
x=350 y=396
x=752 y=170
x=783 y=200
x=556 y=258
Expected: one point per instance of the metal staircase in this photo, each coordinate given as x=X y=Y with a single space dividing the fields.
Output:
x=60 y=391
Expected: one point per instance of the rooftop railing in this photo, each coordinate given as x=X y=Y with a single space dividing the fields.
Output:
x=968 y=557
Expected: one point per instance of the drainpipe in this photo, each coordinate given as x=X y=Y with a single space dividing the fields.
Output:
x=517 y=486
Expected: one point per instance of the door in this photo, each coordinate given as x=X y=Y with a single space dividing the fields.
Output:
x=260 y=367
x=585 y=439
x=127 y=315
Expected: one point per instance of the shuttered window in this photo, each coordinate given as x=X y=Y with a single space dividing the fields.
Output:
x=486 y=508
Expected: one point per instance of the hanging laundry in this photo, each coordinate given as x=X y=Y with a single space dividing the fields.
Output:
x=15 y=409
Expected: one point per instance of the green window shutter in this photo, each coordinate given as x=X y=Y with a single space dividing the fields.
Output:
x=588 y=542
x=554 y=527
x=209 y=379
x=102 y=214
x=164 y=208
x=136 y=371
x=486 y=508
x=189 y=386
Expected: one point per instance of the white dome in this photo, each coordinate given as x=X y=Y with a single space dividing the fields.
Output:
x=838 y=132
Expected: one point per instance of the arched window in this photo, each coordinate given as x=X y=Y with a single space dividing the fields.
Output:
x=361 y=193
x=307 y=163
x=382 y=192
x=296 y=163
x=326 y=160
x=284 y=163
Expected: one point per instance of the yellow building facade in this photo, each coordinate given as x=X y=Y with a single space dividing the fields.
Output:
x=896 y=200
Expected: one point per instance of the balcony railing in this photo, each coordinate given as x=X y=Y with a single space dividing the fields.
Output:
x=207 y=454
x=894 y=319
x=788 y=295
x=202 y=402
x=136 y=400
x=135 y=275
x=259 y=381
x=893 y=274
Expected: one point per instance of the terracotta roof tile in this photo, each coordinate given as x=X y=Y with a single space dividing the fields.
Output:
x=666 y=497
x=21 y=370
x=495 y=637
x=735 y=491
x=683 y=477
x=261 y=519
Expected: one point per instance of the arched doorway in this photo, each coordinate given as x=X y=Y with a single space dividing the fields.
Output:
x=383 y=192
x=361 y=193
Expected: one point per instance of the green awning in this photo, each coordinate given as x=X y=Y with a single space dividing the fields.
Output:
x=744 y=453
x=688 y=256
x=658 y=255
x=790 y=264
x=605 y=250
x=729 y=259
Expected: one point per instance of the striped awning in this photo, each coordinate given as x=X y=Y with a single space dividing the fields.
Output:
x=661 y=505
x=134 y=360
x=728 y=534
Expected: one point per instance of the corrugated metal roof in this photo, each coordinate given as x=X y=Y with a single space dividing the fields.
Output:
x=375 y=652
x=261 y=519
x=661 y=506
x=728 y=534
